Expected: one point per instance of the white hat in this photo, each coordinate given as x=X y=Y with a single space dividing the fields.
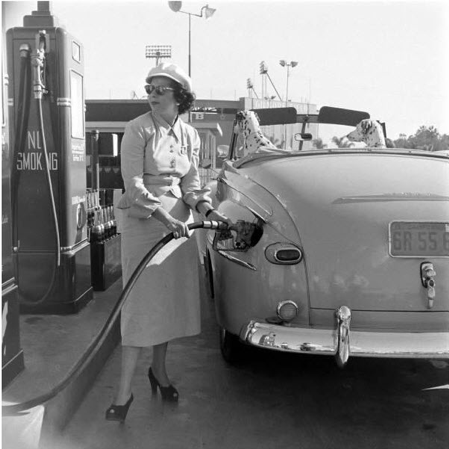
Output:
x=173 y=72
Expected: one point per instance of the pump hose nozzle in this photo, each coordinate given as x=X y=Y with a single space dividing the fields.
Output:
x=37 y=61
x=102 y=336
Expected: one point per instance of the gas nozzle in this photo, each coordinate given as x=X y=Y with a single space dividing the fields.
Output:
x=247 y=235
x=213 y=224
x=37 y=61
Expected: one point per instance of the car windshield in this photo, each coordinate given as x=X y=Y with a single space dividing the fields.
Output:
x=287 y=137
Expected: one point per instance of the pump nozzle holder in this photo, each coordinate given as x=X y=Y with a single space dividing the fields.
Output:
x=37 y=62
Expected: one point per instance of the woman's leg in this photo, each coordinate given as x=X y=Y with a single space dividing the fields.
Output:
x=158 y=364
x=130 y=356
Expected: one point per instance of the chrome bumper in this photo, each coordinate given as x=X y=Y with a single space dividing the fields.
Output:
x=342 y=342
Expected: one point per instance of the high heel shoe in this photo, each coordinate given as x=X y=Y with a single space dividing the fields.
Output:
x=169 y=393
x=118 y=412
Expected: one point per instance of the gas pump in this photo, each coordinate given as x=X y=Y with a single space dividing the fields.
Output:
x=48 y=180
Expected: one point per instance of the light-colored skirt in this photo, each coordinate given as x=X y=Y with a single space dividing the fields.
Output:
x=165 y=301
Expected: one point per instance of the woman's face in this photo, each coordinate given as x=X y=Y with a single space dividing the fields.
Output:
x=164 y=104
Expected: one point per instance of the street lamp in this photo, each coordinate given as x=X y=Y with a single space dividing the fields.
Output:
x=288 y=65
x=158 y=52
x=208 y=12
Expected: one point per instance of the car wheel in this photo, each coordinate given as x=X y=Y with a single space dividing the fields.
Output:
x=230 y=346
x=209 y=276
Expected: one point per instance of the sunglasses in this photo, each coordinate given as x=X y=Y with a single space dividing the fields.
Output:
x=160 y=90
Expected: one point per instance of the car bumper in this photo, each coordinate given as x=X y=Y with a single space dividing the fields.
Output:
x=343 y=343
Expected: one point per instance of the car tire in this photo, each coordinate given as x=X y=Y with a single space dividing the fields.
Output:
x=209 y=276
x=230 y=346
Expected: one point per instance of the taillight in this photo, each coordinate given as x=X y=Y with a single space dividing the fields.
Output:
x=283 y=254
x=287 y=310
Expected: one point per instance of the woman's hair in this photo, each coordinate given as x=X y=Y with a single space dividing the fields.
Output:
x=185 y=98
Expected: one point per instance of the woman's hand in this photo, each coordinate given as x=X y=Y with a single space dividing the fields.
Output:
x=217 y=216
x=179 y=228
x=205 y=208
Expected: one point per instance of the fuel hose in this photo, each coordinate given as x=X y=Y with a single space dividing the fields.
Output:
x=9 y=410
x=20 y=139
x=24 y=299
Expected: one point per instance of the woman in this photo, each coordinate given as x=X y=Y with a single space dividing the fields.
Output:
x=159 y=154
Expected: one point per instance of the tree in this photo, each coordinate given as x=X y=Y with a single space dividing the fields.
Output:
x=319 y=144
x=401 y=142
x=425 y=138
x=445 y=142
x=275 y=141
x=342 y=142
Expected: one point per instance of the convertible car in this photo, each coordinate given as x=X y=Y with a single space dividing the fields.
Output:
x=341 y=252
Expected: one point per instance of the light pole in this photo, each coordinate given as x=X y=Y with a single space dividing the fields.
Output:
x=264 y=71
x=208 y=12
x=250 y=86
x=291 y=64
x=288 y=65
x=158 y=52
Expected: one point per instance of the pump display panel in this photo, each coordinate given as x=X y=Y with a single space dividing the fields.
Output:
x=77 y=105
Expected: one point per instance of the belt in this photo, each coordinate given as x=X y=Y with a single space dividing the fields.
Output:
x=161 y=180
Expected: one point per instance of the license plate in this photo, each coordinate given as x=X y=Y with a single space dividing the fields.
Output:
x=419 y=239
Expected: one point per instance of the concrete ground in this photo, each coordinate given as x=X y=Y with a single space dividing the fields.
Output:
x=51 y=387
x=271 y=400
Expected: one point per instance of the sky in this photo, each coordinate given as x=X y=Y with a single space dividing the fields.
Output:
x=389 y=58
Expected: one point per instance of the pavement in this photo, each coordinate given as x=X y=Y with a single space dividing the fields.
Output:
x=53 y=345
x=271 y=401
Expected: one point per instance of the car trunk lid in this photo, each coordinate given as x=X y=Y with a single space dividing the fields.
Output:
x=345 y=224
